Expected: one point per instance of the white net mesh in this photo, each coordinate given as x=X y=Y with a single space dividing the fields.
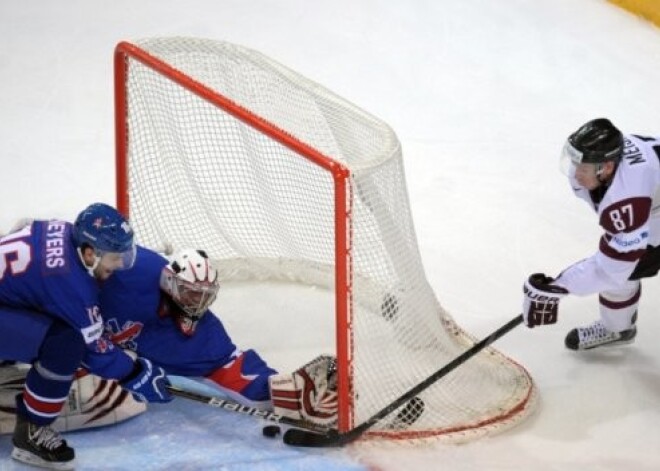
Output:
x=268 y=213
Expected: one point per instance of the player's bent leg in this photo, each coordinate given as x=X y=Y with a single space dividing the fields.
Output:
x=46 y=389
x=617 y=323
x=22 y=333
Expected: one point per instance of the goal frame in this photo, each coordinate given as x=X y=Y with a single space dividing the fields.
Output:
x=282 y=180
x=342 y=195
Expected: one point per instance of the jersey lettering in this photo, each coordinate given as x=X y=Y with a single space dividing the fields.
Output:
x=54 y=250
x=15 y=254
x=617 y=216
x=632 y=153
x=644 y=138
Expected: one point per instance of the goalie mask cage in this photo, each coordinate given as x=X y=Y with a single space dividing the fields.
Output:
x=221 y=148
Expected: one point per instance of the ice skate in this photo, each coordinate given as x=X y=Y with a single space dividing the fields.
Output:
x=41 y=446
x=597 y=335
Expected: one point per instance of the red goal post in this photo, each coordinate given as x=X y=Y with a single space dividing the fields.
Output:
x=284 y=180
x=339 y=173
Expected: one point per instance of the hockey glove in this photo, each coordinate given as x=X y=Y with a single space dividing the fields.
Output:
x=147 y=382
x=309 y=393
x=541 y=300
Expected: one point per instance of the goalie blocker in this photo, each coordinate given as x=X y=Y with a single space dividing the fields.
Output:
x=92 y=401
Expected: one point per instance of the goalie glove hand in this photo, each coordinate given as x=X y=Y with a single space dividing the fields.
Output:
x=541 y=300
x=309 y=393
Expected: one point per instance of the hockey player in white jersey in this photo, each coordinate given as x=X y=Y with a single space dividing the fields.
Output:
x=619 y=177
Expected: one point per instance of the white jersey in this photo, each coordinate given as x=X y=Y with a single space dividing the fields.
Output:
x=628 y=212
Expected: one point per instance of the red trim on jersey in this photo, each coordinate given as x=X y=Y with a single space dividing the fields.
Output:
x=129 y=333
x=230 y=376
x=621 y=304
x=607 y=250
x=43 y=408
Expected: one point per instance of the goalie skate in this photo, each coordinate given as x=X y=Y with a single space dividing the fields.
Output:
x=596 y=335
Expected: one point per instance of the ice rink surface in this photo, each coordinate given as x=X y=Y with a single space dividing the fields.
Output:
x=482 y=95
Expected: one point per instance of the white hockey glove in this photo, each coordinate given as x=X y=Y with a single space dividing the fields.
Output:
x=309 y=393
x=20 y=224
x=92 y=402
x=541 y=300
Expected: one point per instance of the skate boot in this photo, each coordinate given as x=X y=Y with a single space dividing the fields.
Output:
x=596 y=335
x=40 y=446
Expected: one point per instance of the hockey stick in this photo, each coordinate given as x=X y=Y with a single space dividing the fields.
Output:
x=332 y=438
x=234 y=406
x=408 y=415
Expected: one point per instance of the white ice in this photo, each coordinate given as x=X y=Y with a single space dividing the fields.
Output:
x=481 y=94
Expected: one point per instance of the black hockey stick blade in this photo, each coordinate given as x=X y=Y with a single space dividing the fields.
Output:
x=408 y=415
x=305 y=438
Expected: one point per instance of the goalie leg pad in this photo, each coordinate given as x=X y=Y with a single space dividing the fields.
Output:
x=96 y=402
x=309 y=393
x=91 y=402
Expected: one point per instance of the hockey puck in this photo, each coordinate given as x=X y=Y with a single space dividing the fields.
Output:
x=271 y=431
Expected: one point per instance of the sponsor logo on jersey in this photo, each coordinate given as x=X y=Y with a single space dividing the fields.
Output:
x=621 y=242
x=125 y=334
x=92 y=332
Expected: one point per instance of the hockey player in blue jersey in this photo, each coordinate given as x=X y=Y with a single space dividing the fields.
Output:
x=159 y=309
x=50 y=317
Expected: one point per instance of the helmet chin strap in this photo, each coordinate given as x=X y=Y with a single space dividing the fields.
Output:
x=600 y=168
x=89 y=269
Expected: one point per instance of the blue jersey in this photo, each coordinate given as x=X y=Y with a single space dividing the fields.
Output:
x=139 y=317
x=40 y=270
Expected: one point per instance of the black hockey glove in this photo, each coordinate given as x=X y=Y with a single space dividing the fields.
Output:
x=541 y=300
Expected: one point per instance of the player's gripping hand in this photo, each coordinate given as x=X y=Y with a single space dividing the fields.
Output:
x=147 y=382
x=541 y=300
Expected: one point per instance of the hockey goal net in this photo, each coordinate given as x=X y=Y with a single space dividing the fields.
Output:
x=221 y=148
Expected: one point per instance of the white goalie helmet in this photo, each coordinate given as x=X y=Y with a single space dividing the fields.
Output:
x=192 y=281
